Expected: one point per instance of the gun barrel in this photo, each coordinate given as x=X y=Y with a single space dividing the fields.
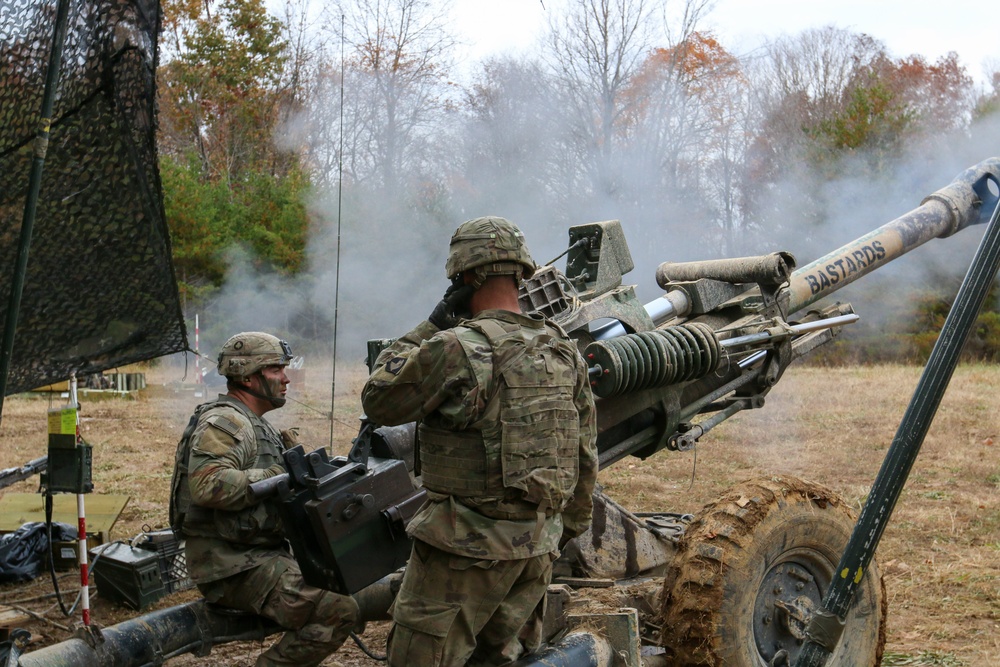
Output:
x=945 y=212
x=660 y=310
x=266 y=488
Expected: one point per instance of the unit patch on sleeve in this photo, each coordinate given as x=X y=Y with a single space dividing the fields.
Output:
x=395 y=365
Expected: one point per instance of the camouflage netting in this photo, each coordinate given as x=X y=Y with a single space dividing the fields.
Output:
x=99 y=290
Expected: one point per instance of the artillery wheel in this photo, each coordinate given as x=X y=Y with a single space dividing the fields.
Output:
x=752 y=565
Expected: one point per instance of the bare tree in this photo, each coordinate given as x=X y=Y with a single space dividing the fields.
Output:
x=726 y=130
x=399 y=56
x=307 y=46
x=988 y=100
x=595 y=48
x=509 y=156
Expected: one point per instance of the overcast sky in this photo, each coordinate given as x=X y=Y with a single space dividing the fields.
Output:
x=906 y=27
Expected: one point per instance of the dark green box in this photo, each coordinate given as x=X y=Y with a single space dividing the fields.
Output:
x=128 y=575
x=70 y=470
x=70 y=462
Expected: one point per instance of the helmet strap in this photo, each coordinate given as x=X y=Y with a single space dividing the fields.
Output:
x=276 y=401
x=478 y=277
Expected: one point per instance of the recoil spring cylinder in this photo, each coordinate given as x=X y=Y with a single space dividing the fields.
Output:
x=652 y=358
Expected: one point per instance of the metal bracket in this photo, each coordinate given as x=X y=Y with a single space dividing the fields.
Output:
x=90 y=634
x=780 y=659
x=670 y=526
x=825 y=629
x=14 y=647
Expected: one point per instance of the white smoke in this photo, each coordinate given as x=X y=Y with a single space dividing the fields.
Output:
x=372 y=275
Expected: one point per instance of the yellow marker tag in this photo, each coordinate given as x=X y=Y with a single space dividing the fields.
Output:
x=858 y=575
x=62 y=421
x=844 y=573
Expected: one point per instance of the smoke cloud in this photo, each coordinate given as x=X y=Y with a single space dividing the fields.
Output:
x=376 y=261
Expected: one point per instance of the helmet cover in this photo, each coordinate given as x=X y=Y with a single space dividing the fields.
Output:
x=491 y=244
x=250 y=351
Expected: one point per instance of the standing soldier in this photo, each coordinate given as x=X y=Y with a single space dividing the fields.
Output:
x=235 y=549
x=506 y=454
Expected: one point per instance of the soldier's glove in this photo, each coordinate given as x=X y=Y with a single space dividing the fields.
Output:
x=276 y=469
x=255 y=475
x=454 y=306
x=290 y=436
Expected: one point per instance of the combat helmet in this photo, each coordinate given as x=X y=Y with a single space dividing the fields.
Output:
x=490 y=246
x=250 y=351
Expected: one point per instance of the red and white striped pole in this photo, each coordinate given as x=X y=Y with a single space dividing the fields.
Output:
x=81 y=518
x=84 y=567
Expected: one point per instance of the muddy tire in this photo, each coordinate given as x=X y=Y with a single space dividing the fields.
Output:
x=749 y=567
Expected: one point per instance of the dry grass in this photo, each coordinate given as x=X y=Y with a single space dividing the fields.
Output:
x=940 y=553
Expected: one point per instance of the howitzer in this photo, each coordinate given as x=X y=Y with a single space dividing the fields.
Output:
x=665 y=373
x=743 y=581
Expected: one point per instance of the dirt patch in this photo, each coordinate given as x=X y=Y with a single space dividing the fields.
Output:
x=940 y=554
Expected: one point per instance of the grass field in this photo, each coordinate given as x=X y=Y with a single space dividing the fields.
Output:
x=940 y=554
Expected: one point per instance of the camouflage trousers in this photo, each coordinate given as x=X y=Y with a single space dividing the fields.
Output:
x=317 y=621
x=454 y=611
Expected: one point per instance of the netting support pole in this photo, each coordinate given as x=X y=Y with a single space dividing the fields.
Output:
x=41 y=146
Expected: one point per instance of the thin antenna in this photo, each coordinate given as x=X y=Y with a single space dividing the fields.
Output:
x=340 y=199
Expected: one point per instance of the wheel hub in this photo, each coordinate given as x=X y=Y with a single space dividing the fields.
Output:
x=785 y=603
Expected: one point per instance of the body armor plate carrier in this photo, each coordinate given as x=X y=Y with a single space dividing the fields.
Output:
x=258 y=524
x=524 y=447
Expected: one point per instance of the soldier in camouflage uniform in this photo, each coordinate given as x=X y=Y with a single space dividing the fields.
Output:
x=235 y=549
x=506 y=453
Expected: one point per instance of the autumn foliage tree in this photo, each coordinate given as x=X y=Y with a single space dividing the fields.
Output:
x=226 y=182
x=873 y=118
x=397 y=64
x=628 y=110
x=689 y=129
x=889 y=103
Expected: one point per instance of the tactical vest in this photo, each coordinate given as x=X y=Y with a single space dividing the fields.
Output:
x=525 y=445
x=253 y=525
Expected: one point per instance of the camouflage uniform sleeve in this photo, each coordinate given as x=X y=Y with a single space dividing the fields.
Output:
x=220 y=469
x=577 y=515
x=425 y=370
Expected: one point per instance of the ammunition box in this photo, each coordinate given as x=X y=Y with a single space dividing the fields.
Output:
x=139 y=576
x=128 y=575
x=65 y=555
